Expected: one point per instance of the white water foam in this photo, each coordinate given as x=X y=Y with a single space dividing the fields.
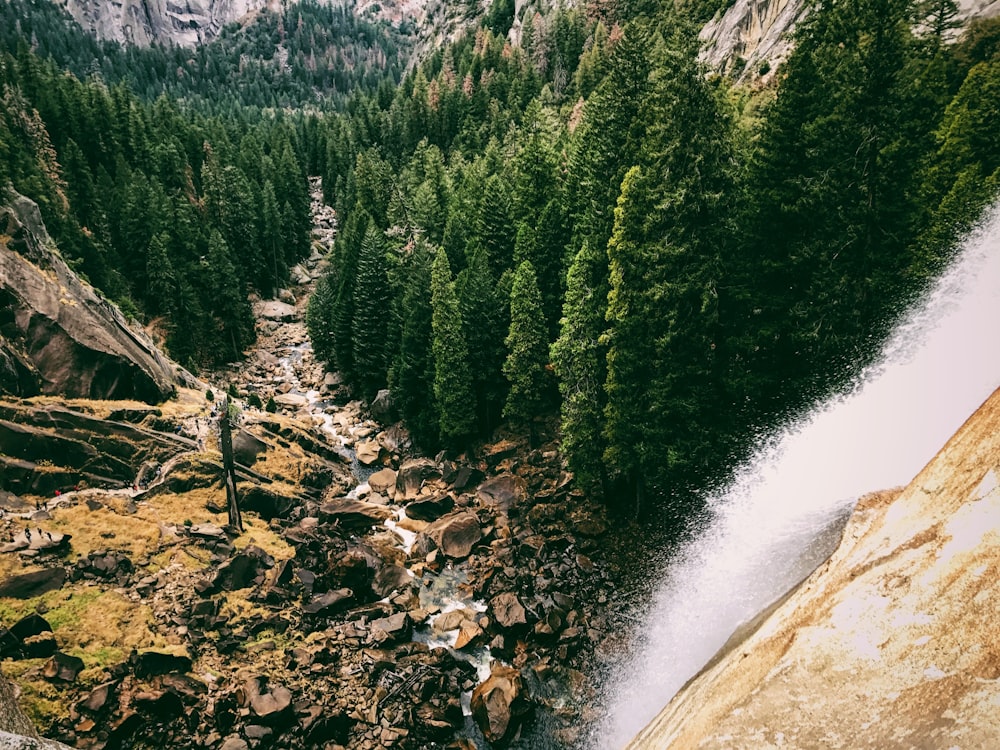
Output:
x=766 y=531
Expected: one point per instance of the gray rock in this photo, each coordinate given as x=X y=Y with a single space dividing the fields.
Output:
x=29 y=585
x=71 y=340
x=354 y=514
x=272 y=309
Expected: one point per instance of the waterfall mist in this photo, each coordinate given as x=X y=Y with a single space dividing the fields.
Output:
x=779 y=516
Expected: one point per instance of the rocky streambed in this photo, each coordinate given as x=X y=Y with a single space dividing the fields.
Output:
x=376 y=598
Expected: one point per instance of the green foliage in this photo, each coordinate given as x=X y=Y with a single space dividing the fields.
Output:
x=527 y=348
x=452 y=379
x=271 y=406
x=579 y=361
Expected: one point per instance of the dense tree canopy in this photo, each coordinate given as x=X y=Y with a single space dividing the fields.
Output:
x=583 y=203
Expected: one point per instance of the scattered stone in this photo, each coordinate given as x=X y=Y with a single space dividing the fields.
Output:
x=392 y=629
x=412 y=475
x=499 y=705
x=329 y=602
x=368 y=452
x=507 y=611
x=383 y=482
x=355 y=515
x=98 y=697
x=455 y=534
x=148 y=664
x=501 y=492
x=62 y=667
x=430 y=509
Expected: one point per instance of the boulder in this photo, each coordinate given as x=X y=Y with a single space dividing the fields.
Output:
x=271 y=703
x=391 y=629
x=507 y=611
x=291 y=400
x=411 y=476
x=272 y=309
x=383 y=482
x=98 y=697
x=242 y=570
x=430 y=509
x=368 y=452
x=148 y=664
x=383 y=407
x=501 y=492
x=62 y=667
x=246 y=447
x=63 y=337
x=38 y=540
x=391 y=578
x=355 y=515
x=329 y=602
x=29 y=585
x=455 y=534
x=499 y=705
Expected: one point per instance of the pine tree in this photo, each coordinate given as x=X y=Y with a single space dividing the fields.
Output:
x=833 y=182
x=579 y=361
x=162 y=279
x=485 y=324
x=527 y=349
x=452 y=379
x=371 y=300
x=229 y=300
x=412 y=377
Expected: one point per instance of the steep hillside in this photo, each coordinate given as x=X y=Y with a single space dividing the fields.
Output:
x=891 y=643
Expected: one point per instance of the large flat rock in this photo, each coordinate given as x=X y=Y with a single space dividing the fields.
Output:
x=893 y=642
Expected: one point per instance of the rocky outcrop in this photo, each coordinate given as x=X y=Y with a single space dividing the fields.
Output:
x=890 y=643
x=753 y=37
x=142 y=22
x=57 y=335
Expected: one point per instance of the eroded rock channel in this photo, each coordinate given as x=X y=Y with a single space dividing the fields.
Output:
x=376 y=598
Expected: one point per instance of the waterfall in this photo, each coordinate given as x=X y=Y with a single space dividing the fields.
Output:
x=778 y=518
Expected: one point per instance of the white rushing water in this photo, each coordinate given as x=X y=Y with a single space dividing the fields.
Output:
x=777 y=520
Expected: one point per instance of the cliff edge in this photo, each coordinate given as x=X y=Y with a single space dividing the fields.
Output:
x=57 y=335
x=893 y=642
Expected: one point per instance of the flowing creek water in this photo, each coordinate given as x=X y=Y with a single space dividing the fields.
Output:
x=442 y=592
x=782 y=514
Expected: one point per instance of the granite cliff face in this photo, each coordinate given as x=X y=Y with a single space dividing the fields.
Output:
x=57 y=336
x=893 y=642
x=186 y=23
x=752 y=37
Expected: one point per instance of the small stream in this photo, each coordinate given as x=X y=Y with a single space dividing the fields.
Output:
x=447 y=590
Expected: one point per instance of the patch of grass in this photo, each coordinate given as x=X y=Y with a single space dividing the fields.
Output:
x=99 y=626
x=257 y=532
x=41 y=700
x=106 y=529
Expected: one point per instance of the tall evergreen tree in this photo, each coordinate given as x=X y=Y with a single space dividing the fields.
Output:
x=369 y=326
x=579 y=361
x=412 y=377
x=527 y=349
x=452 y=379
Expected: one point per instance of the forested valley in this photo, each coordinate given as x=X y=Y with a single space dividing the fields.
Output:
x=585 y=225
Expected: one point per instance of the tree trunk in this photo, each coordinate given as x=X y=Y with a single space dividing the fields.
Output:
x=226 y=439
